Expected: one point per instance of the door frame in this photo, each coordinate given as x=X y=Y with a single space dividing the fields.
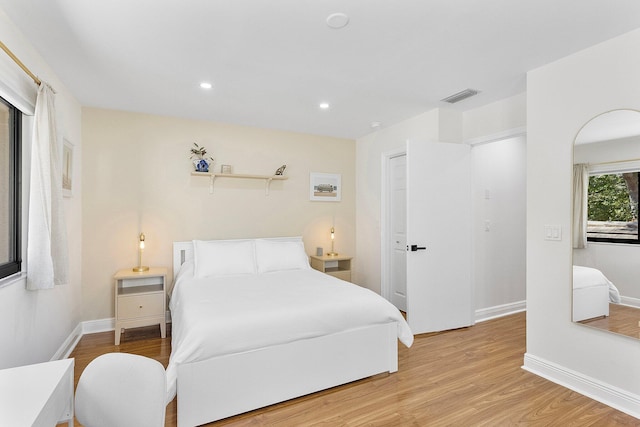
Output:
x=385 y=288
x=385 y=218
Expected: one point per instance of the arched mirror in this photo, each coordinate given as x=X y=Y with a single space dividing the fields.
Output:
x=606 y=242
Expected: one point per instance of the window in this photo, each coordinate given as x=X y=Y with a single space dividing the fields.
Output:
x=10 y=179
x=613 y=207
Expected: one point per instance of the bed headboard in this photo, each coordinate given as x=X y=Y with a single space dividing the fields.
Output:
x=182 y=251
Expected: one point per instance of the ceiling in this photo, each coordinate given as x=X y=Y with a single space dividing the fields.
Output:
x=272 y=63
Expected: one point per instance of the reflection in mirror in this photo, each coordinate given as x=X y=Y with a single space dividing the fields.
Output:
x=606 y=243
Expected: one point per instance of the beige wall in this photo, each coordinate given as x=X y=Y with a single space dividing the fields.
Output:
x=137 y=177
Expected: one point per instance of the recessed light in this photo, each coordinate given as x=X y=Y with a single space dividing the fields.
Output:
x=324 y=105
x=206 y=85
x=337 y=20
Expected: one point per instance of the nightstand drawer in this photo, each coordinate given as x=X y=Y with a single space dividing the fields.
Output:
x=136 y=306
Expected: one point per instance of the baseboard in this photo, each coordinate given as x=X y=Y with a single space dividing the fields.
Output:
x=99 y=325
x=621 y=400
x=88 y=327
x=106 y=325
x=69 y=344
x=633 y=302
x=500 y=311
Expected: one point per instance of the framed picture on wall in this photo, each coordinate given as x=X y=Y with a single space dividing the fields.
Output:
x=325 y=187
x=67 y=168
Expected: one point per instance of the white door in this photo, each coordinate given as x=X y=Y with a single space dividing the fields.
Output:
x=397 y=243
x=439 y=293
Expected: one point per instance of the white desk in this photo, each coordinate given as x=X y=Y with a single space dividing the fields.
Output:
x=37 y=395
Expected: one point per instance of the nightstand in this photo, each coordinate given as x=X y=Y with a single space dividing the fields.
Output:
x=140 y=299
x=338 y=265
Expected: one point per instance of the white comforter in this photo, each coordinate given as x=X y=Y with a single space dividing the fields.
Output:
x=586 y=277
x=225 y=315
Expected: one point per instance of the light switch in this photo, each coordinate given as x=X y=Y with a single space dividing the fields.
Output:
x=553 y=232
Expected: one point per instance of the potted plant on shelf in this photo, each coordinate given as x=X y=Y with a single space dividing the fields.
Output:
x=199 y=157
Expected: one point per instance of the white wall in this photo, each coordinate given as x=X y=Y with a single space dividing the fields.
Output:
x=561 y=97
x=618 y=262
x=496 y=118
x=607 y=151
x=35 y=324
x=499 y=160
x=369 y=151
x=446 y=126
x=499 y=222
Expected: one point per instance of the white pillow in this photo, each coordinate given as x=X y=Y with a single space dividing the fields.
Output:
x=223 y=257
x=282 y=239
x=277 y=255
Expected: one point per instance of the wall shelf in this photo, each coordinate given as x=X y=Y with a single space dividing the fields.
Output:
x=267 y=178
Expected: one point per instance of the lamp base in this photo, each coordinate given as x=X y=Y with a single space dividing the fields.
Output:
x=332 y=253
x=140 y=268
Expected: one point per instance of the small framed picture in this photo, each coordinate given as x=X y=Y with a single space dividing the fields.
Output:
x=325 y=187
x=67 y=168
x=225 y=168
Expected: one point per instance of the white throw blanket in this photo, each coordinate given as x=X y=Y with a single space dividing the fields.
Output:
x=224 y=315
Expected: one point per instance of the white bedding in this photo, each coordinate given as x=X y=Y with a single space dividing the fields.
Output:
x=213 y=316
x=586 y=277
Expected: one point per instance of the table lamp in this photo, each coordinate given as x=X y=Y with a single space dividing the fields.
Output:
x=140 y=267
x=333 y=236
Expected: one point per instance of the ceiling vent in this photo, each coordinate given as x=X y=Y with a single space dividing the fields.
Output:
x=457 y=97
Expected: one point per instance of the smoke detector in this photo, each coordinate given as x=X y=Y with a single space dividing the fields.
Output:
x=337 y=20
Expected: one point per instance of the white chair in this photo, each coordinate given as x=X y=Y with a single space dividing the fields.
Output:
x=121 y=389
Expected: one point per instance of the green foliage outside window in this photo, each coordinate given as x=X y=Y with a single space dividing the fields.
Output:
x=610 y=199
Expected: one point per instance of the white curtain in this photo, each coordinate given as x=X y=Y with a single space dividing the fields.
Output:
x=47 y=253
x=580 y=194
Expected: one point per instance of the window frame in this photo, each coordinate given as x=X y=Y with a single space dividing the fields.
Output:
x=609 y=239
x=14 y=265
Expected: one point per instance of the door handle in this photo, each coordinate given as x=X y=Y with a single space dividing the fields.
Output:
x=415 y=248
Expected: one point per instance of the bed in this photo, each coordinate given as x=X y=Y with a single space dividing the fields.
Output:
x=592 y=292
x=254 y=325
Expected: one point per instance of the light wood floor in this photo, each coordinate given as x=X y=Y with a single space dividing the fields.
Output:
x=622 y=319
x=465 y=377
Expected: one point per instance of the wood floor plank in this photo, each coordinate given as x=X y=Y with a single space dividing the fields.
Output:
x=622 y=319
x=466 y=377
